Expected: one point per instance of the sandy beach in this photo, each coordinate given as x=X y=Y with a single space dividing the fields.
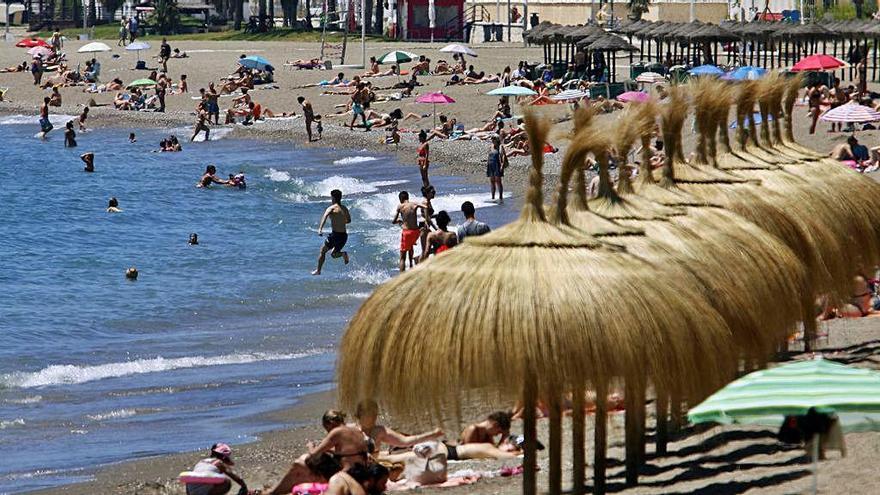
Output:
x=710 y=461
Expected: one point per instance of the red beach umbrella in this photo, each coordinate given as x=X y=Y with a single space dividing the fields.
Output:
x=818 y=62
x=31 y=42
x=637 y=96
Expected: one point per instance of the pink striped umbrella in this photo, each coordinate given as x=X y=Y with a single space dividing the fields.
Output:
x=851 y=113
x=636 y=96
x=435 y=99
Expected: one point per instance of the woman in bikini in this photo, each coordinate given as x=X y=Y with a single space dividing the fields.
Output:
x=814 y=99
x=428 y=192
x=367 y=415
x=424 y=160
x=441 y=239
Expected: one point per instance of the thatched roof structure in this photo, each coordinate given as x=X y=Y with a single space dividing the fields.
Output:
x=811 y=31
x=536 y=34
x=584 y=32
x=611 y=43
x=713 y=33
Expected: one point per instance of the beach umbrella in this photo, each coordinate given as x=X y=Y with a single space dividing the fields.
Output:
x=745 y=73
x=459 y=49
x=255 y=62
x=570 y=94
x=435 y=99
x=94 y=47
x=137 y=46
x=819 y=62
x=40 y=51
x=706 y=70
x=141 y=83
x=32 y=42
x=493 y=284
x=512 y=91
x=432 y=18
x=767 y=396
x=851 y=113
x=630 y=96
x=650 y=78
x=397 y=57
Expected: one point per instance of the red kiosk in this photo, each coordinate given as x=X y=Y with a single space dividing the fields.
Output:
x=448 y=19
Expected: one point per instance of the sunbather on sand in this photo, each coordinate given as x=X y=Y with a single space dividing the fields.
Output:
x=443 y=130
x=367 y=415
x=314 y=63
x=443 y=69
x=374 y=68
x=346 y=445
x=23 y=67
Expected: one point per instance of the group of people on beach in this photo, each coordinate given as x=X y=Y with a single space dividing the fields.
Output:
x=363 y=457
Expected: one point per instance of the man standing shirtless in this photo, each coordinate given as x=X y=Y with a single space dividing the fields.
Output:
x=407 y=215
x=45 y=125
x=308 y=114
x=339 y=218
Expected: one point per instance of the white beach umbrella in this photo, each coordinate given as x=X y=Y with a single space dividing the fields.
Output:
x=650 y=78
x=94 y=47
x=570 y=94
x=460 y=49
x=137 y=46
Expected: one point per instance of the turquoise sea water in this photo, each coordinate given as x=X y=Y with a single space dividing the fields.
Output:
x=95 y=369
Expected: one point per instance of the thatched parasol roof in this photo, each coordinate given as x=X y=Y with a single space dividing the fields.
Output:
x=584 y=32
x=713 y=33
x=630 y=27
x=811 y=31
x=534 y=34
x=758 y=29
x=612 y=43
x=648 y=29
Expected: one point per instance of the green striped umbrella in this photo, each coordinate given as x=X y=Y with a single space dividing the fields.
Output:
x=397 y=57
x=792 y=389
x=765 y=396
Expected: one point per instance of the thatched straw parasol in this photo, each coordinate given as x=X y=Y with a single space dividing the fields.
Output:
x=630 y=28
x=810 y=31
x=529 y=311
x=535 y=34
x=612 y=43
x=584 y=32
x=712 y=33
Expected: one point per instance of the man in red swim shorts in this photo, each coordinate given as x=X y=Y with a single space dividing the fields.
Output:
x=407 y=216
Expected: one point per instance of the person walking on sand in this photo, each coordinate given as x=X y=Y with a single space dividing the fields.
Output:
x=164 y=54
x=308 y=114
x=496 y=163
x=45 y=125
x=423 y=159
x=202 y=119
x=339 y=217
x=407 y=216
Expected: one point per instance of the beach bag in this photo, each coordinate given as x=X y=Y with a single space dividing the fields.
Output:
x=429 y=465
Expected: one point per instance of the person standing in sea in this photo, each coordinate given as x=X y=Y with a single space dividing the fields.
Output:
x=407 y=216
x=308 y=115
x=471 y=226
x=495 y=165
x=202 y=121
x=339 y=217
x=423 y=159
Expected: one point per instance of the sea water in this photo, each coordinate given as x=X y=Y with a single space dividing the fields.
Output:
x=96 y=369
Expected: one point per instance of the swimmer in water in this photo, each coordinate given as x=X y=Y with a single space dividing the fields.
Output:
x=210 y=177
x=131 y=273
x=132 y=138
x=339 y=217
x=89 y=160
x=113 y=206
x=193 y=239
x=69 y=136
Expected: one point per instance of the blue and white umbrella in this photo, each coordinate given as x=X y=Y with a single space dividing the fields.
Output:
x=746 y=73
x=706 y=70
x=512 y=91
x=255 y=62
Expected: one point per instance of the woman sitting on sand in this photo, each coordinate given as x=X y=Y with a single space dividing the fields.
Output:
x=423 y=67
x=342 y=448
x=122 y=101
x=442 y=69
x=55 y=97
x=373 y=70
x=367 y=415
x=861 y=303
x=443 y=130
